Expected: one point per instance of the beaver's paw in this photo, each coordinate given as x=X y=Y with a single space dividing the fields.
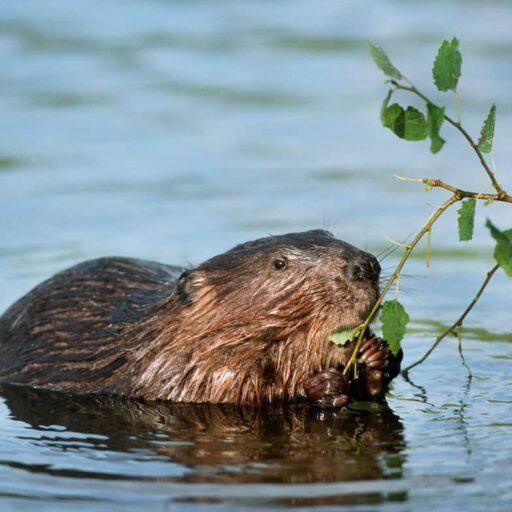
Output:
x=327 y=389
x=375 y=354
x=378 y=367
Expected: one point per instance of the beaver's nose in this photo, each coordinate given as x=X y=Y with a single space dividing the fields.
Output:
x=364 y=267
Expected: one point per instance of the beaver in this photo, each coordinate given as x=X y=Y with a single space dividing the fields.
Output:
x=250 y=325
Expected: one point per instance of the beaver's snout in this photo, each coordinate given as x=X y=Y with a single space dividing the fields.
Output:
x=365 y=266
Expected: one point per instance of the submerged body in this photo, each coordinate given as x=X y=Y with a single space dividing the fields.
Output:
x=248 y=326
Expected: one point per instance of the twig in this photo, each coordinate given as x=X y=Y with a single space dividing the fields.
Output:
x=394 y=242
x=437 y=183
x=427 y=252
x=408 y=249
x=457 y=324
x=457 y=195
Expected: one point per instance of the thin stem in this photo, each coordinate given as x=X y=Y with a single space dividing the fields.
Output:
x=437 y=183
x=408 y=250
x=459 y=127
x=458 y=323
x=457 y=106
x=427 y=252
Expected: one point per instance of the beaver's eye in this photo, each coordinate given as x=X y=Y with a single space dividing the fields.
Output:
x=279 y=264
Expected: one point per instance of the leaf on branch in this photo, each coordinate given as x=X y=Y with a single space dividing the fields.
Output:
x=466 y=219
x=446 y=70
x=435 y=118
x=394 y=320
x=393 y=117
x=408 y=124
x=487 y=133
x=503 y=249
x=416 y=127
x=384 y=107
x=341 y=338
x=382 y=60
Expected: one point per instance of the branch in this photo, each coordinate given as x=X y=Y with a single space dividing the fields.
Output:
x=408 y=250
x=457 y=324
x=459 y=127
x=437 y=183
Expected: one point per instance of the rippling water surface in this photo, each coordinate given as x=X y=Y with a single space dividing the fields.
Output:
x=173 y=130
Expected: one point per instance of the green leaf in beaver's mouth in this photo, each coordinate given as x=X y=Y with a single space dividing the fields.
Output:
x=341 y=338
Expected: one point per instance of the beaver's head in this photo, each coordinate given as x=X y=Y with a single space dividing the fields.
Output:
x=273 y=287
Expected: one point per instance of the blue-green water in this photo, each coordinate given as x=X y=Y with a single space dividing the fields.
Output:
x=173 y=130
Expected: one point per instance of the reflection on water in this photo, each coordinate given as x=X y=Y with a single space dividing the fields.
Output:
x=209 y=443
x=172 y=130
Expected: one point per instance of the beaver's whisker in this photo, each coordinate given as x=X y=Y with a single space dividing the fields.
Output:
x=407 y=290
x=390 y=250
x=387 y=248
x=413 y=276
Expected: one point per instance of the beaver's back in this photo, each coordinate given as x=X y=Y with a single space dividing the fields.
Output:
x=65 y=333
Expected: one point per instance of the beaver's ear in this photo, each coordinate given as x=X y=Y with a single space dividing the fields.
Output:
x=187 y=285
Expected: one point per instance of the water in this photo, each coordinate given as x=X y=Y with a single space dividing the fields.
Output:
x=173 y=130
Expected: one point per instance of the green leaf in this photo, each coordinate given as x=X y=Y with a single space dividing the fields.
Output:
x=416 y=127
x=446 y=70
x=435 y=118
x=503 y=249
x=394 y=320
x=382 y=60
x=409 y=124
x=487 y=132
x=384 y=107
x=466 y=219
x=343 y=337
x=393 y=117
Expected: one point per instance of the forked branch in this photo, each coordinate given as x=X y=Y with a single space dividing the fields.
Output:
x=458 y=126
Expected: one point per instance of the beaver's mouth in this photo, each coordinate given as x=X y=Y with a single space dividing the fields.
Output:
x=344 y=326
x=365 y=302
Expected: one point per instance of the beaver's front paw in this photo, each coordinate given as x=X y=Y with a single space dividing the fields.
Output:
x=327 y=389
x=378 y=367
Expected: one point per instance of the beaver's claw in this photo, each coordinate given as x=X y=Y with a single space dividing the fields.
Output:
x=327 y=389
x=377 y=368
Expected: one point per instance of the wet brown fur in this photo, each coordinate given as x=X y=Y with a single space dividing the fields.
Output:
x=235 y=329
